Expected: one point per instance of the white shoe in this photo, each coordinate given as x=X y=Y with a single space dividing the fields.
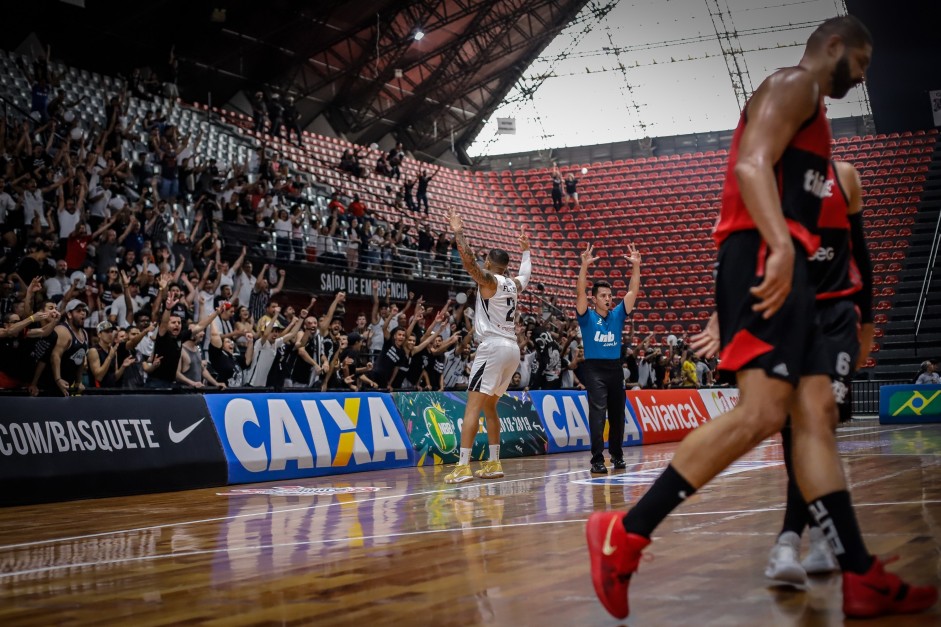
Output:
x=783 y=565
x=820 y=559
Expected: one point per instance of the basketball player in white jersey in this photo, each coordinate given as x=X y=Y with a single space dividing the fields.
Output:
x=498 y=355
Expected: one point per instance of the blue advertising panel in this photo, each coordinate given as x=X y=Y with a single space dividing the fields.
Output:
x=564 y=414
x=285 y=436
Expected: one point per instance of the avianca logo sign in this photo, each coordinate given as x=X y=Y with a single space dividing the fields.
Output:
x=270 y=434
x=668 y=415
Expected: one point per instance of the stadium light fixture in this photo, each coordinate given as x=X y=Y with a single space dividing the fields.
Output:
x=419 y=34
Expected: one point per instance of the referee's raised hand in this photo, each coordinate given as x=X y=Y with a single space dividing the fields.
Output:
x=587 y=258
x=634 y=257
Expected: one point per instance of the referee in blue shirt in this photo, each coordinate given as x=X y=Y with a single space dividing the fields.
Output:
x=604 y=379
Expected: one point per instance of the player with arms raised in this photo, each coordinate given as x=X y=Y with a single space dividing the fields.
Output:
x=498 y=355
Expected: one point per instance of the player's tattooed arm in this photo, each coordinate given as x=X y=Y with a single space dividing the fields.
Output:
x=482 y=277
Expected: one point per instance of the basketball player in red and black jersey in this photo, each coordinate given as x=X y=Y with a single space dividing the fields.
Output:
x=775 y=182
x=842 y=273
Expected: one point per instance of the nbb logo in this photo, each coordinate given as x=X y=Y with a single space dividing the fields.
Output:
x=441 y=429
x=565 y=416
x=283 y=436
x=668 y=415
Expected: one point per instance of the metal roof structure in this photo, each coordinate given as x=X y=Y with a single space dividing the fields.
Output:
x=357 y=63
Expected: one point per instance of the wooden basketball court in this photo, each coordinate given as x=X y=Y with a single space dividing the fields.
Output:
x=418 y=552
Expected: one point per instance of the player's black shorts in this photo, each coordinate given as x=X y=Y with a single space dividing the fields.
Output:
x=786 y=346
x=839 y=325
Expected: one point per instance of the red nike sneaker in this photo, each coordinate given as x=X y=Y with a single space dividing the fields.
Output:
x=878 y=592
x=614 y=557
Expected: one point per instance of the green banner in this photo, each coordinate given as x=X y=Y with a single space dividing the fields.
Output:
x=433 y=423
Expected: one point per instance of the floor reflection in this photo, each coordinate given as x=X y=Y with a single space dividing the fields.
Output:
x=404 y=540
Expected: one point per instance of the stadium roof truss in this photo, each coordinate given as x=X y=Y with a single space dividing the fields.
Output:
x=356 y=62
x=360 y=65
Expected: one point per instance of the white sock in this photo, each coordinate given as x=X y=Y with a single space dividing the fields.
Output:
x=494 y=452
x=465 y=457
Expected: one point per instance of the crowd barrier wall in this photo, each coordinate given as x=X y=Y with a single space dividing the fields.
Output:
x=909 y=404
x=85 y=447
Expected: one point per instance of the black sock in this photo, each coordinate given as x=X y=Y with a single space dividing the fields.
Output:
x=669 y=490
x=835 y=516
x=796 y=515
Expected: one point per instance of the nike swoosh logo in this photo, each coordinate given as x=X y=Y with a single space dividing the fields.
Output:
x=606 y=548
x=883 y=591
x=177 y=437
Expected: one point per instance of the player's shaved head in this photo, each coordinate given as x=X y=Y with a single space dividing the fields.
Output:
x=498 y=258
x=853 y=32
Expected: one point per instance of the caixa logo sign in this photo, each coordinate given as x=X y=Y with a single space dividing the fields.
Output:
x=282 y=436
x=565 y=417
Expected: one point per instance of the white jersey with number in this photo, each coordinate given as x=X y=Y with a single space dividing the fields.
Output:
x=496 y=316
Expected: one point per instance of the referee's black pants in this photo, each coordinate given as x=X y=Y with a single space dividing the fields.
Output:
x=604 y=381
